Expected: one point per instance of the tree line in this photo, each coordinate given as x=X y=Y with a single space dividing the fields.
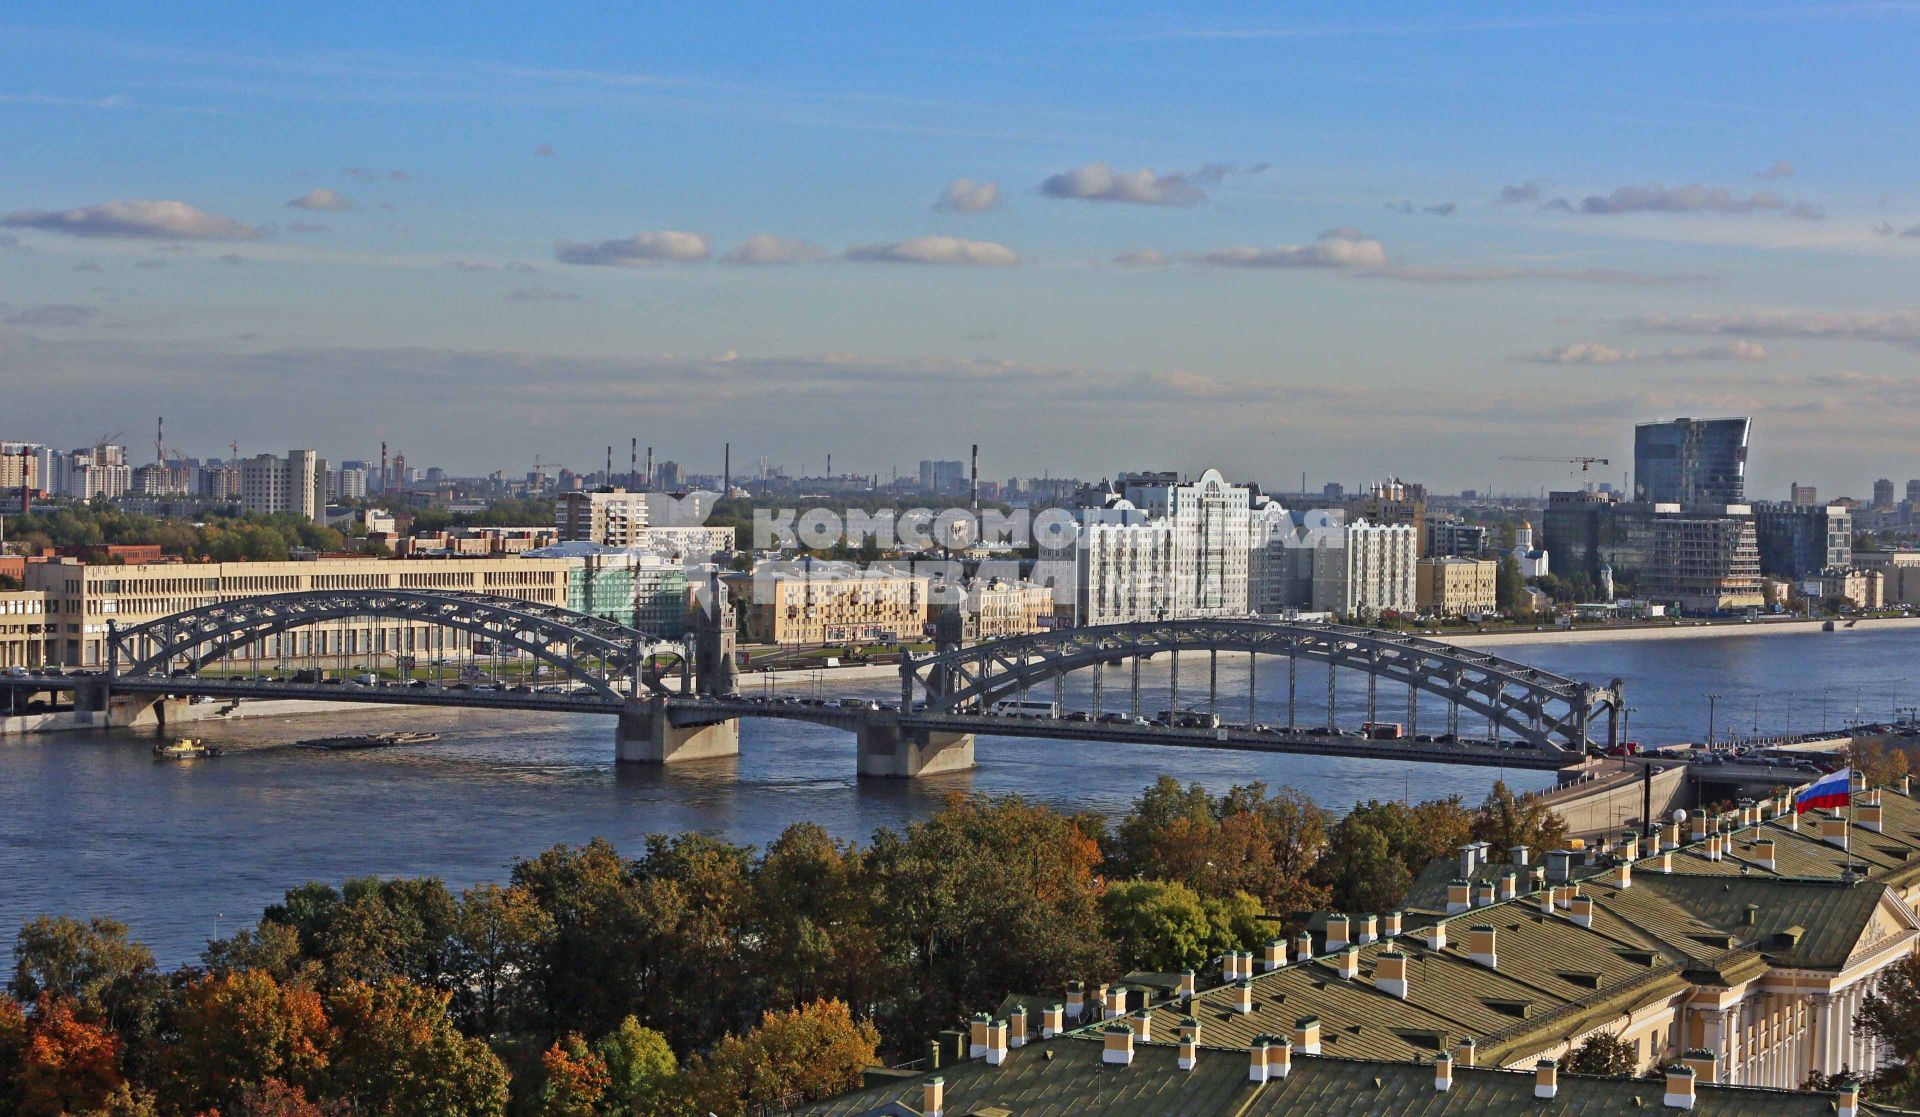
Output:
x=696 y=975
x=217 y=538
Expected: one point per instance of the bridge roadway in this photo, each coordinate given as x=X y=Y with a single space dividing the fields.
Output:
x=696 y=712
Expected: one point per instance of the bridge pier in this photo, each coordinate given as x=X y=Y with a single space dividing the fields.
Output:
x=888 y=752
x=646 y=734
x=106 y=709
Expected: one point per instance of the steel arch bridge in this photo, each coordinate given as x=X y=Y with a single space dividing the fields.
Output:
x=1546 y=710
x=559 y=637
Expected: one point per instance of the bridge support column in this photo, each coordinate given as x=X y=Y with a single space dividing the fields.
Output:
x=646 y=735
x=139 y=711
x=889 y=752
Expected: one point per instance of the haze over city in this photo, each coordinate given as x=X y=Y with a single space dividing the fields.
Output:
x=1361 y=242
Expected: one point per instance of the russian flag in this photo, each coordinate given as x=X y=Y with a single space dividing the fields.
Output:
x=1835 y=789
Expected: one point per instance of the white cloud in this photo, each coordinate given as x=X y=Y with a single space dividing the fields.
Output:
x=1098 y=182
x=1777 y=171
x=322 y=199
x=765 y=248
x=637 y=251
x=151 y=220
x=936 y=250
x=1597 y=353
x=1693 y=198
x=1900 y=327
x=963 y=195
x=1335 y=248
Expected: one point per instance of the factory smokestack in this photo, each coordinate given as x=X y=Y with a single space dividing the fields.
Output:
x=609 y=467
x=976 y=477
x=726 y=470
x=649 y=469
x=633 y=465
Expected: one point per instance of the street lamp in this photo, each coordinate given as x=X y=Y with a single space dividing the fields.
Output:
x=1713 y=705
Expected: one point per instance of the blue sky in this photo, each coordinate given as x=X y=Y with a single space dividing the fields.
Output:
x=1357 y=240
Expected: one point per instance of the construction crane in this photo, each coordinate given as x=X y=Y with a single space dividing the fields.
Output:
x=1583 y=461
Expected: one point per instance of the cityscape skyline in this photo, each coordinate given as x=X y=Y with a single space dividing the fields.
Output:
x=1236 y=237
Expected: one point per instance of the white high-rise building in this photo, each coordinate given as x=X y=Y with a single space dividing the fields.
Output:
x=294 y=484
x=1381 y=569
x=1166 y=549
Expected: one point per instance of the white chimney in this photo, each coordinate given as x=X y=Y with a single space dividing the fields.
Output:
x=1442 y=1072
x=1546 y=1078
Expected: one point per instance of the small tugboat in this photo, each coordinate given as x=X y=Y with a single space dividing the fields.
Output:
x=186 y=748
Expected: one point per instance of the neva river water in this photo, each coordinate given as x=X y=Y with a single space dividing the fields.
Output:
x=92 y=825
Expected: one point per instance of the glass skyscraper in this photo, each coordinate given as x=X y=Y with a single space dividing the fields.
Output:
x=1691 y=461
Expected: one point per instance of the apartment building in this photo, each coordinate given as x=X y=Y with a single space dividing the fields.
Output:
x=81 y=599
x=829 y=603
x=1457 y=587
x=1123 y=564
x=1212 y=538
x=23 y=624
x=1380 y=572
x=627 y=585
x=1800 y=540
x=612 y=516
x=295 y=485
x=993 y=608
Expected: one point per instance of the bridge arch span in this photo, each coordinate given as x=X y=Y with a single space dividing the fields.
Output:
x=1547 y=710
x=558 y=637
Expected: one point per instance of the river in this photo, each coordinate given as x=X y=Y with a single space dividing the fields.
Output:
x=90 y=824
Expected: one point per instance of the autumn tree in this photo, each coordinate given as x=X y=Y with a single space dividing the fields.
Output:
x=66 y=1065
x=238 y=1029
x=815 y=1051
x=394 y=1052
x=587 y=975
x=642 y=1073
x=1376 y=850
x=1244 y=841
x=1506 y=820
x=812 y=915
x=576 y=1079
x=86 y=963
x=1883 y=766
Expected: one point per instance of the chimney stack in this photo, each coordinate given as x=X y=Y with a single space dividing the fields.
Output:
x=1017 y=1027
x=1306 y=1035
x=1347 y=962
x=1459 y=895
x=1665 y=863
x=933 y=1097
x=1273 y=955
x=1437 y=935
x=1119 y=1045
x=1243 y=996
x=1076 y=1000
x=1622 y=875
x=1442 y=1072
x=1336 y=932
x=1390 y=973
x=1848 y=1103
x=1582 y=910
x=1189 y=1043
x=1509 y=885
x=1546 y=1078
x=1390 y=926
x=1116 y=1002
x=1679 y=1087
x=1482 y=945
x=1146 y=1025
x=1696 y=825
x=1519 y=855
x=996 y=1042
x=1366 y=929
x=1189 y=984
x=1560 y=864
x=1464 y=1051
x=1868 y=815
x=1702 y=1063
x=1053 y=1021
x=1257 y=1060
x=1763 y=854
x=1833 y=829
x=977 y=1038
x=1303 y=946
x=1280 y=1059
x=1484 y=894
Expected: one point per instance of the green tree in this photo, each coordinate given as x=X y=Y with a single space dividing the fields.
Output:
x=984 y=896
x=74 y=960
x=812 y=916
x=1244 y=841
x=642 y=1074
x=576 y=1079
x=588 y=975
x=1165 y=927
x=272 y=948
x=395 y=1053
x=1362 y=870
x=1603 y=1054
x=1506 y=585
x=1891 y=1015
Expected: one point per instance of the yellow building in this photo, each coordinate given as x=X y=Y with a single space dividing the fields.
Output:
x=23 y=615
x=81 y=599
x=830 y=603
x=1457 y=587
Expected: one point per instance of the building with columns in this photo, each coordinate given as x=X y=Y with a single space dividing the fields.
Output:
x=1733 y=954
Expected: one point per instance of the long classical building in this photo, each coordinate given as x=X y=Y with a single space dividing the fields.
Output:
x=82 y=598
x=23 y=623
x=1731 y=954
